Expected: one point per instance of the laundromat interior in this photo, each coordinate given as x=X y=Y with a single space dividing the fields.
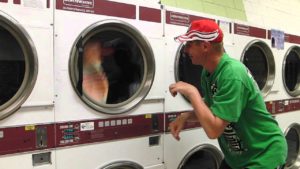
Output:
x=62 y=109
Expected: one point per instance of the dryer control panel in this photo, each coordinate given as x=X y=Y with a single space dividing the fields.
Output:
x=81 y=132
x=26 y=138
x=283 y=106
x=172 y=116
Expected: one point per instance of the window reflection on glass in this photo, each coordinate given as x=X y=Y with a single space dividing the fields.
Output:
x=113 y=68
x=12 y=66
x=188 y=72
x=292 y=69
x=256 y=61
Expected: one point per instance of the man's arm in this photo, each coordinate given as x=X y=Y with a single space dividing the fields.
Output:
x=213 y=125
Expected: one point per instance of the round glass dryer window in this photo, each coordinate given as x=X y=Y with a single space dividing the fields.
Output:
x=123 y=165
x=111 y=66
x=18 y=65
x=258 y=58
x=291 y=71
x=293 y=137
x=206 y=156
x=186 y=71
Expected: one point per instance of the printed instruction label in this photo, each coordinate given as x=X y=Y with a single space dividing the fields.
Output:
x=87 y=126
x=35 y=3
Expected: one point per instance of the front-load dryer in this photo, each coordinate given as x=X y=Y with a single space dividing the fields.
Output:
x=284 y=39
x=287 y=108
x=251 y=47
x=269 y=67
x=26 y=75
x=108 y=84
x=194 y=149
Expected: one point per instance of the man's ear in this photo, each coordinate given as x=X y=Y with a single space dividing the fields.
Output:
x=206 y=45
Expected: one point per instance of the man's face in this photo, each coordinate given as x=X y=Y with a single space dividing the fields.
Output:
x=198 y=51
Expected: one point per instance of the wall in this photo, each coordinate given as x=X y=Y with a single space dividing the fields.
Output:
x=277 y=14
x=226 y=8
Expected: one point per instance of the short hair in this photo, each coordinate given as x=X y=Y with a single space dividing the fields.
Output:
x=217 y=46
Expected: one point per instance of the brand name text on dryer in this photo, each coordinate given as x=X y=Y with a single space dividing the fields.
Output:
x=79 y=2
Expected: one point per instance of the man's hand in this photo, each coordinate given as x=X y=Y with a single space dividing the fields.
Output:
x=177 y=125
x=183 y=88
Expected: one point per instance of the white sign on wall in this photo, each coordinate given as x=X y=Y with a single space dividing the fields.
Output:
x=277 y=39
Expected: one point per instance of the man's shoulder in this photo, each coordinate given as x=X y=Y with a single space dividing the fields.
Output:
x=233 y=68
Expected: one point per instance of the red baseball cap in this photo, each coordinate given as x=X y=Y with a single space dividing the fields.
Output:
x=204 y=30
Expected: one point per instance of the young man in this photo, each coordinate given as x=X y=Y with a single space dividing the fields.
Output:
x=233 y=109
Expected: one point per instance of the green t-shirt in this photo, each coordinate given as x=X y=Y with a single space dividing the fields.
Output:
x=253 y=138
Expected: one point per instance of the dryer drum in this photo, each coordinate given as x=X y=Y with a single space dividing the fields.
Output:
x=291 y=71
x=259 y=59
x=292 y=136
x=186 y=71
x=205 y=156
x=111 y=66
x=122 y=165
x=18 y=65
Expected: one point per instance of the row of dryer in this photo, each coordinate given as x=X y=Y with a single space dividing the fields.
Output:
x=47 y=105
x=274 y=67
x=52 y=118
